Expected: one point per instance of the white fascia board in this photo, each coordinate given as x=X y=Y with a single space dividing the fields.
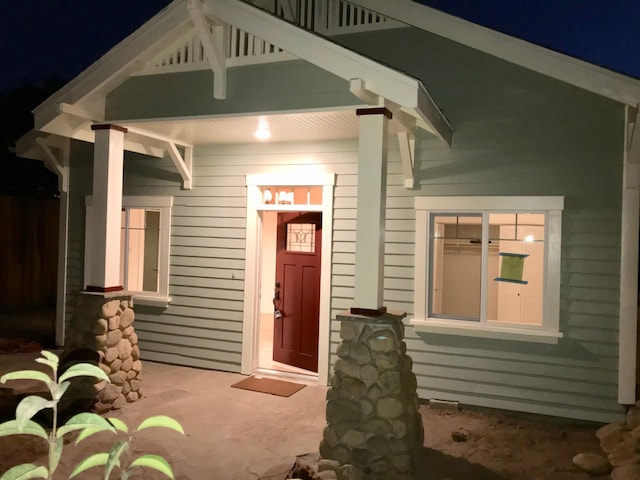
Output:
x=118 y=63
x=382 y=80
x=556 y=65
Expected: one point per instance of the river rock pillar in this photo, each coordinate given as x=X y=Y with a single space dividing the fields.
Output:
x=374 y=428
x=102 y=328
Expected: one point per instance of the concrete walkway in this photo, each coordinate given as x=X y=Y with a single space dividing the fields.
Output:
x=230 y=433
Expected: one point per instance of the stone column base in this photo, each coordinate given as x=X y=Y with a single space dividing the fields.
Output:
x=374 y=427
x=103 y=323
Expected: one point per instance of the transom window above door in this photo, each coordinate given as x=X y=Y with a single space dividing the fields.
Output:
x=291 y=195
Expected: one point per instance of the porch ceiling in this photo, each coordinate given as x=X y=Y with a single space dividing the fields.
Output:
x=290 y=127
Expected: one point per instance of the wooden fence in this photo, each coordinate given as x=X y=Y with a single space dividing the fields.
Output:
x=28 y=252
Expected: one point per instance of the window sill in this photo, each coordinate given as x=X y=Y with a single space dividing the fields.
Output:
x=151 y=300
x=472 y=329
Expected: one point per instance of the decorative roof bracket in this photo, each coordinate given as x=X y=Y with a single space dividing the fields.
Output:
x=358 y=87
x=407 y=143
x=58 y=163
x=215 y=47
x=633 y=127
x=184 y=165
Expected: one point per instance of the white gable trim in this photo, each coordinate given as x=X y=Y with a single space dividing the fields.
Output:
x=542 y=60
x=394 y=86
x=89 y=89
x=116 y=65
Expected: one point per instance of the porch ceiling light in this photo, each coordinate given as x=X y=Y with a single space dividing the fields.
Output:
x=263 y=132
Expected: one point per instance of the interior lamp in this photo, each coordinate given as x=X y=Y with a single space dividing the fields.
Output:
x=285 y=198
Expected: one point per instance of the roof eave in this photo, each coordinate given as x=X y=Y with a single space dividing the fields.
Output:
x=562 y=67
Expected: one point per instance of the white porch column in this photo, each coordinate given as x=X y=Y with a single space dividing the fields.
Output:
x=370 y=224
x=108 y=157
x=628 y=330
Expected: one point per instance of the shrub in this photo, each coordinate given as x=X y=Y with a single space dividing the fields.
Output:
x=86 y=424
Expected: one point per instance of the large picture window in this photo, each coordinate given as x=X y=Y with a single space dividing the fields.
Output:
x=488 y=266
x=144 y=247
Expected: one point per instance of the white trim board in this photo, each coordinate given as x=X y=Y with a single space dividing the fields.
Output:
x=253 y=261
x=629 y=239
x=551 y=206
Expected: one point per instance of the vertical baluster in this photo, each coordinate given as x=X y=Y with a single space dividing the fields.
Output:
x=308 y=14
x=258 y=45
x=335 y=17
x=320 y=22
x=234 y=42
x=243 y=42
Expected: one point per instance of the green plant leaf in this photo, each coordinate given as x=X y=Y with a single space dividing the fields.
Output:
x=29 y=428
x=54 y=457
x=50 y=356
x=58 y=390
x=82 y=421
x=87 y=432
x=84 y=370
x=29 y=406
x=153 y=461
x=24 y=472
x=114 y=457
x=95 y=460
x=26 y=375
x=118 y=424
x=161 y=421
x=52 y=365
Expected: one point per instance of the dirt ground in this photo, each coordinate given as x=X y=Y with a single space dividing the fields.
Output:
x=500 y=446
x=487 y=446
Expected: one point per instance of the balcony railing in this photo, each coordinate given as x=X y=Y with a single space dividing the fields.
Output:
x=326 y=17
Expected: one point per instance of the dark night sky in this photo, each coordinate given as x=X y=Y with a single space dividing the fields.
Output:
x=63 y=37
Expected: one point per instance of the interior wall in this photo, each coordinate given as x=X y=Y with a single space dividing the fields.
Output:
x=267 y=283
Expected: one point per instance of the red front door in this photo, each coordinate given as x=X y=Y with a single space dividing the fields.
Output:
x=295 y=336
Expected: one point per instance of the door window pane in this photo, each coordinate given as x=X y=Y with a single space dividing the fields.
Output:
x=301 y=237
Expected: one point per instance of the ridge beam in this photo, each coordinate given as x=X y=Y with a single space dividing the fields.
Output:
x=184 y=165
x=214 y=47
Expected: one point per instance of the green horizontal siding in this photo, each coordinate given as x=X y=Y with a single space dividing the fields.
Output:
x=291 y=85
x=516 y=133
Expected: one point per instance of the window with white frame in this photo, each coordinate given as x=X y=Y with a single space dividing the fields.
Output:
x=144 y=247
x=489 y=266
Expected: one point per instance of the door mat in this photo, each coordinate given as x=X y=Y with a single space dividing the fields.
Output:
x=269 y=385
